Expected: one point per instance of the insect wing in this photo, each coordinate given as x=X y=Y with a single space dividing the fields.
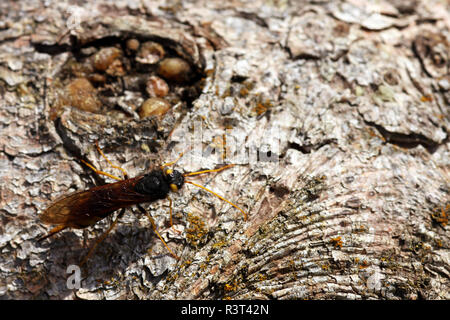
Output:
x=84 y=208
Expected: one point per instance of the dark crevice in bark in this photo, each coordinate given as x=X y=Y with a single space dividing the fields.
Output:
x=307 y=148
x=408 y=141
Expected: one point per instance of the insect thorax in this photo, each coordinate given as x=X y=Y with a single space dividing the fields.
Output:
x=156 y=184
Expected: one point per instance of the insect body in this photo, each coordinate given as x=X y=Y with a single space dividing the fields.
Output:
x=85 y=208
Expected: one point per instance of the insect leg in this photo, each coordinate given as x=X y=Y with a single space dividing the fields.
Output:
x=156 y=231
x=170 y=215
x=172 y=162
x=53 y=231
x=170 y=210
x=175 y=161
x=102 y=237
x=98 y=171
x=125 y=174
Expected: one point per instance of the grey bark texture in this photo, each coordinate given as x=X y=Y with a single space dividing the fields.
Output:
x=351 y=98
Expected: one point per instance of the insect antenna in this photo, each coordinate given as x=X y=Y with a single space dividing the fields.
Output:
x=210 y=191
x=209 y=170
x=218 y=196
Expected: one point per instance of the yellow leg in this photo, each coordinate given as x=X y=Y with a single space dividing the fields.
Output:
x=110 y=163
x=170 y=215
x=170 y=211
x=156 y=231
x=99 y=171
x=172 y=162
x=53 y=231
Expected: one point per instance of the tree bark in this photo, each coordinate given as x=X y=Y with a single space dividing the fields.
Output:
x=336 y=114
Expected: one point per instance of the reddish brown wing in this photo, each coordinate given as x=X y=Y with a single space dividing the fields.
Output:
x=82 y=209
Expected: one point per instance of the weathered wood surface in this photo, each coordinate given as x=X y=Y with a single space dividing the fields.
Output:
x=353 y=98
